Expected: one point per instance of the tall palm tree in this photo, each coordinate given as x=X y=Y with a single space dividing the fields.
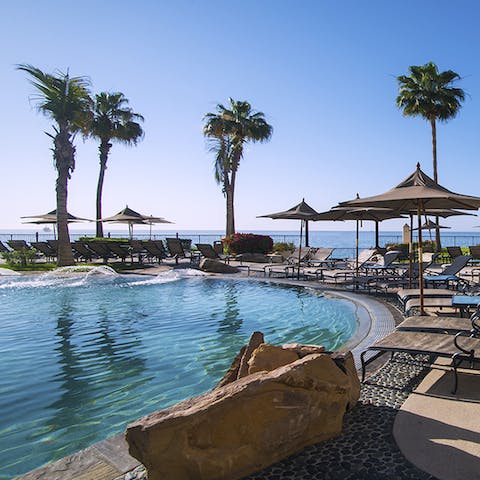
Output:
x=430 y=94
x=66 y=101
x=112 y=120
x=228 y=130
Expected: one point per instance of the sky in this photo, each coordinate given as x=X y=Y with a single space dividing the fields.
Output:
x=323 y=73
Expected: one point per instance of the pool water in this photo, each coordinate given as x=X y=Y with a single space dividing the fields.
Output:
x=83 y=355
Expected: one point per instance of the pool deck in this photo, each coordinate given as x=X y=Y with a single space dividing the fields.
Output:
x=437 y=434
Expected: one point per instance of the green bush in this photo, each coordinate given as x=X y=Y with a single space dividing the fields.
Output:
x=283 y=247
x=247 y=243
x=20 y=257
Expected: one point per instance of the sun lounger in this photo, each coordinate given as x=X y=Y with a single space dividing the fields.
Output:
x=155 y=249
x=406 y=294
x=454 y=252
x=100 y=249
x=45 y=249
x=450 y=325
x=18 y=245
x=82 y=252
x=283 y=268
x=320 y=256
x=177 y=251
x=429 y=302
x=461 y=347
x=207 y=251
x=3 y=248
x=449 y=273
x=118 y=250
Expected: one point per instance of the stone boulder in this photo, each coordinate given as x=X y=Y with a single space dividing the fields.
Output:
x=269 y=357
x=215 y=266
x=303 y=350
x=246 y=425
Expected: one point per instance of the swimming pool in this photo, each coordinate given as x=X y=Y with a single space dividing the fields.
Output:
x=83 y=355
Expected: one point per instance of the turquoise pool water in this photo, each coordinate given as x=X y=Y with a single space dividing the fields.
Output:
x=83 y=355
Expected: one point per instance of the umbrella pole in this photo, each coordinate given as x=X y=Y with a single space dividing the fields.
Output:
x=410 y=253
x=376 y=235
x=356 y=257
x=306 y=234
x=420 y=256
x=299 y=251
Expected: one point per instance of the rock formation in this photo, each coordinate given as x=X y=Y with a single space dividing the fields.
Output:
x=215 y=266
x=244 y=425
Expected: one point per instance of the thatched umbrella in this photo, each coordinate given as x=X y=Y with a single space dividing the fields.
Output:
x=419 y=192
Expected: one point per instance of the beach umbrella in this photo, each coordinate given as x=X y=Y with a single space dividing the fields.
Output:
x=50 y=218
x=376 y=214
x=418 y=192
x=431 y=225
x=131 y=217
x=302 y=212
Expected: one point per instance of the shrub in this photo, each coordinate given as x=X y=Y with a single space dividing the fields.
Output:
x=20 y=257
x=247 y=243
x=283 y=247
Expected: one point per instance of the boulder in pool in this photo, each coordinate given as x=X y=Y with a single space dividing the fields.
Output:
x=248 y=424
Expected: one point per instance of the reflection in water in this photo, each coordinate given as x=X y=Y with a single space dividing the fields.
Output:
x=104 y=350
x=229 y=340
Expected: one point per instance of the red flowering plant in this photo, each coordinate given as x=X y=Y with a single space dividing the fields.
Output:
x=247 y=243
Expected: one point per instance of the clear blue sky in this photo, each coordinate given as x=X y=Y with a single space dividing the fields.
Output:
x=323 y=72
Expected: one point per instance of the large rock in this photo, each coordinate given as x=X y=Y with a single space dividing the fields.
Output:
x=246 y=425
x=256 y=339
x=346 y=362
x=215 y=266
x=269 y=357
x=303 y=350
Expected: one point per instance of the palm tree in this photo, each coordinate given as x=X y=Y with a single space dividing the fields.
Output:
x=111 y=120
x=228 y=131
x=66 y=101
x=430 y=94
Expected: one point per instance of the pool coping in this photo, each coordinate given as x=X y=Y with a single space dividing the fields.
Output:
x=109 y=459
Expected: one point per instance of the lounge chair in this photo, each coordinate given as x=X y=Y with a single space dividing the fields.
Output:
x=284 y=267
x=450 y=325
x=475 y=252
x=3 y=248
x=207 y=251
x=349 y=268
x=118 y=249
x=385 y=263
x=407 y=294
x=454 y=252
x=177 y=251
x=18 y=245
x=82 y=252
x=320 y=256
x=136 y=246
x=45 y=249
x=154 y=249
x=100 y=249
x=449 y=273
x=464 y=346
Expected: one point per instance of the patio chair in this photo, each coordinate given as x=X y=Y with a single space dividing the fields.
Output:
x=207 y=251
x=82 y=252
x=454 y=252
x=45 y=249
x=348 y=270
x=450 y=325
x=118 y=250
x=3 y=248
x=284 y=268
x=385 y=263
x=18 y=245
x=155 y=249
x=449 y=273
x=475 y=251
x=464 y=346
x=320 y=256
x=100 y=249
x=137 y=246
x=177 y=251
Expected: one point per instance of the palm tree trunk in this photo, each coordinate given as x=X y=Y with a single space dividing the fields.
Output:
x=104 y=149
x=230 y=193
x=64 y=155
x=438 y=244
